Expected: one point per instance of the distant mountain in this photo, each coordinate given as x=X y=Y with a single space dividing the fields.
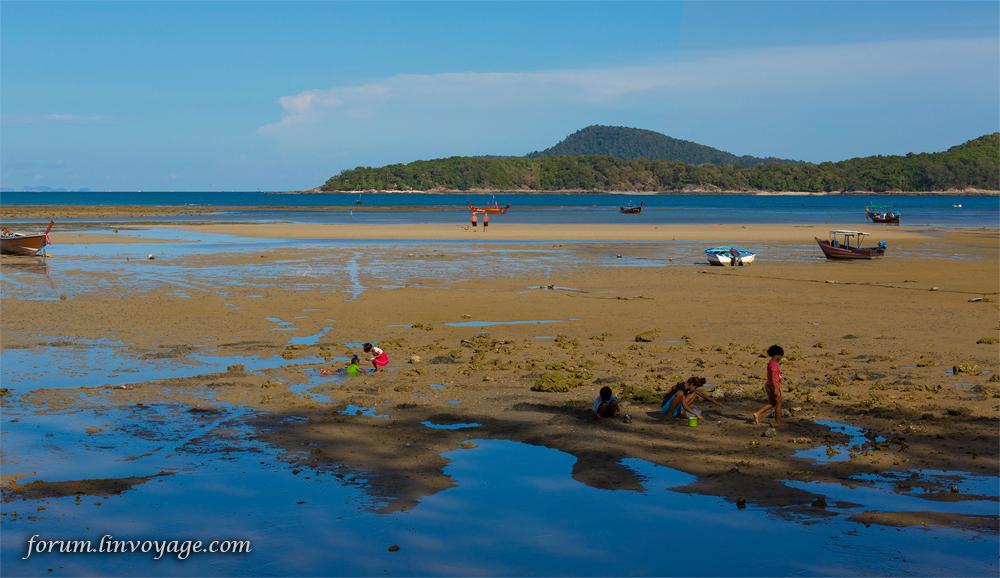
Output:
x=42 y=189
x=632 y=143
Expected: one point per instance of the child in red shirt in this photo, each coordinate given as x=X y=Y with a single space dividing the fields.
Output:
x=773 y=386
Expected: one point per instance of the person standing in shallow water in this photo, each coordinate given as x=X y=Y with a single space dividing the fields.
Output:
x=772 y=388
x=486 y=221
x=474 y=221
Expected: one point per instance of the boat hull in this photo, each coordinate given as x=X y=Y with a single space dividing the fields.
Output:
x=27 y=245
x=894 y=220
x=630 y=210
x=832 y=252
x=496 y=210
x=726 y=260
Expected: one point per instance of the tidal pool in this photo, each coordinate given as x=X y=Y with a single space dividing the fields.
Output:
x=449 y=426
x=857 y=438
x=83 y=363
x=363 y=411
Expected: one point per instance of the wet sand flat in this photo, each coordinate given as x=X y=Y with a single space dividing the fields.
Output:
x=553 y=232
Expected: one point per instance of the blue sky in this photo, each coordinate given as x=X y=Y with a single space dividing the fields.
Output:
x=279 y=96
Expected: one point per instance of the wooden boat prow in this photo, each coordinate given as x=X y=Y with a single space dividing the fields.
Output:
x=850 y=247
x=21 y=244
x=882 y=214
x=632 y=209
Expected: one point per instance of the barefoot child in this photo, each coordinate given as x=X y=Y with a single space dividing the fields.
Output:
x=606 y=404
x=772 y=387
x=379 y=358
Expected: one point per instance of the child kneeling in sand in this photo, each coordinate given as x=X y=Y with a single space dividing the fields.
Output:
x=379 y=358
x=606 y=404
x=679 y=401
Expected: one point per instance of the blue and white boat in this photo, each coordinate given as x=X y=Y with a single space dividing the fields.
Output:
x=724 y=256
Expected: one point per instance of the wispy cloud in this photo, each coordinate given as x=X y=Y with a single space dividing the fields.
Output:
x=418 y=115
x=57 y=118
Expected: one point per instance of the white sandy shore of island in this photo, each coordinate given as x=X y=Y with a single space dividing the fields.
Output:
x=969 y=192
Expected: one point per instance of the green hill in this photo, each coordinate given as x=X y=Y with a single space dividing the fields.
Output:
x=632 y=143
x=974 y=164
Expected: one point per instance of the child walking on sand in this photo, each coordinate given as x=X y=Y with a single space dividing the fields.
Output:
x=606 y=404
x=379 y=358
x=772 y=388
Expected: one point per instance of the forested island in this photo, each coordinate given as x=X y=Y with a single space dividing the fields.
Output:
x=971 y=165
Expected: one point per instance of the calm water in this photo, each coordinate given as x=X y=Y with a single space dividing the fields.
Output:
x=569 y=208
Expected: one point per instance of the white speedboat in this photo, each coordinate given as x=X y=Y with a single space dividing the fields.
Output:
x=730 y=256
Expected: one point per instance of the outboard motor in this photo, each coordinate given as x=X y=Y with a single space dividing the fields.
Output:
x=883 y=245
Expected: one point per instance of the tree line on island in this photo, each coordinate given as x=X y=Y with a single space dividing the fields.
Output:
x=622 y=159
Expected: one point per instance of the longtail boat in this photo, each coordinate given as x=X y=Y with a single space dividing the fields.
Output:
x=496 y=209
x=850 y=247
x=882 y=214
x=21 y=244
x=632 y=209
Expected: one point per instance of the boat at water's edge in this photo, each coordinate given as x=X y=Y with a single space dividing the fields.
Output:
x=22 y=244
x=723 y=256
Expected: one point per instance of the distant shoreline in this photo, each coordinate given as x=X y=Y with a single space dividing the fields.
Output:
x=951 y=193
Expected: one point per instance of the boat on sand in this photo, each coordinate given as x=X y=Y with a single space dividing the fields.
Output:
x=850 y=247
x=29 y=245
x=724 y=256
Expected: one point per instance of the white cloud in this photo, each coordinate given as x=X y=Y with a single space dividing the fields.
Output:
x=421 y=115
x=75 y=118
x=56 y=118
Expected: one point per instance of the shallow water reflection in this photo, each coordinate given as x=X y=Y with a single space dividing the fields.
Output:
x=508 y=498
